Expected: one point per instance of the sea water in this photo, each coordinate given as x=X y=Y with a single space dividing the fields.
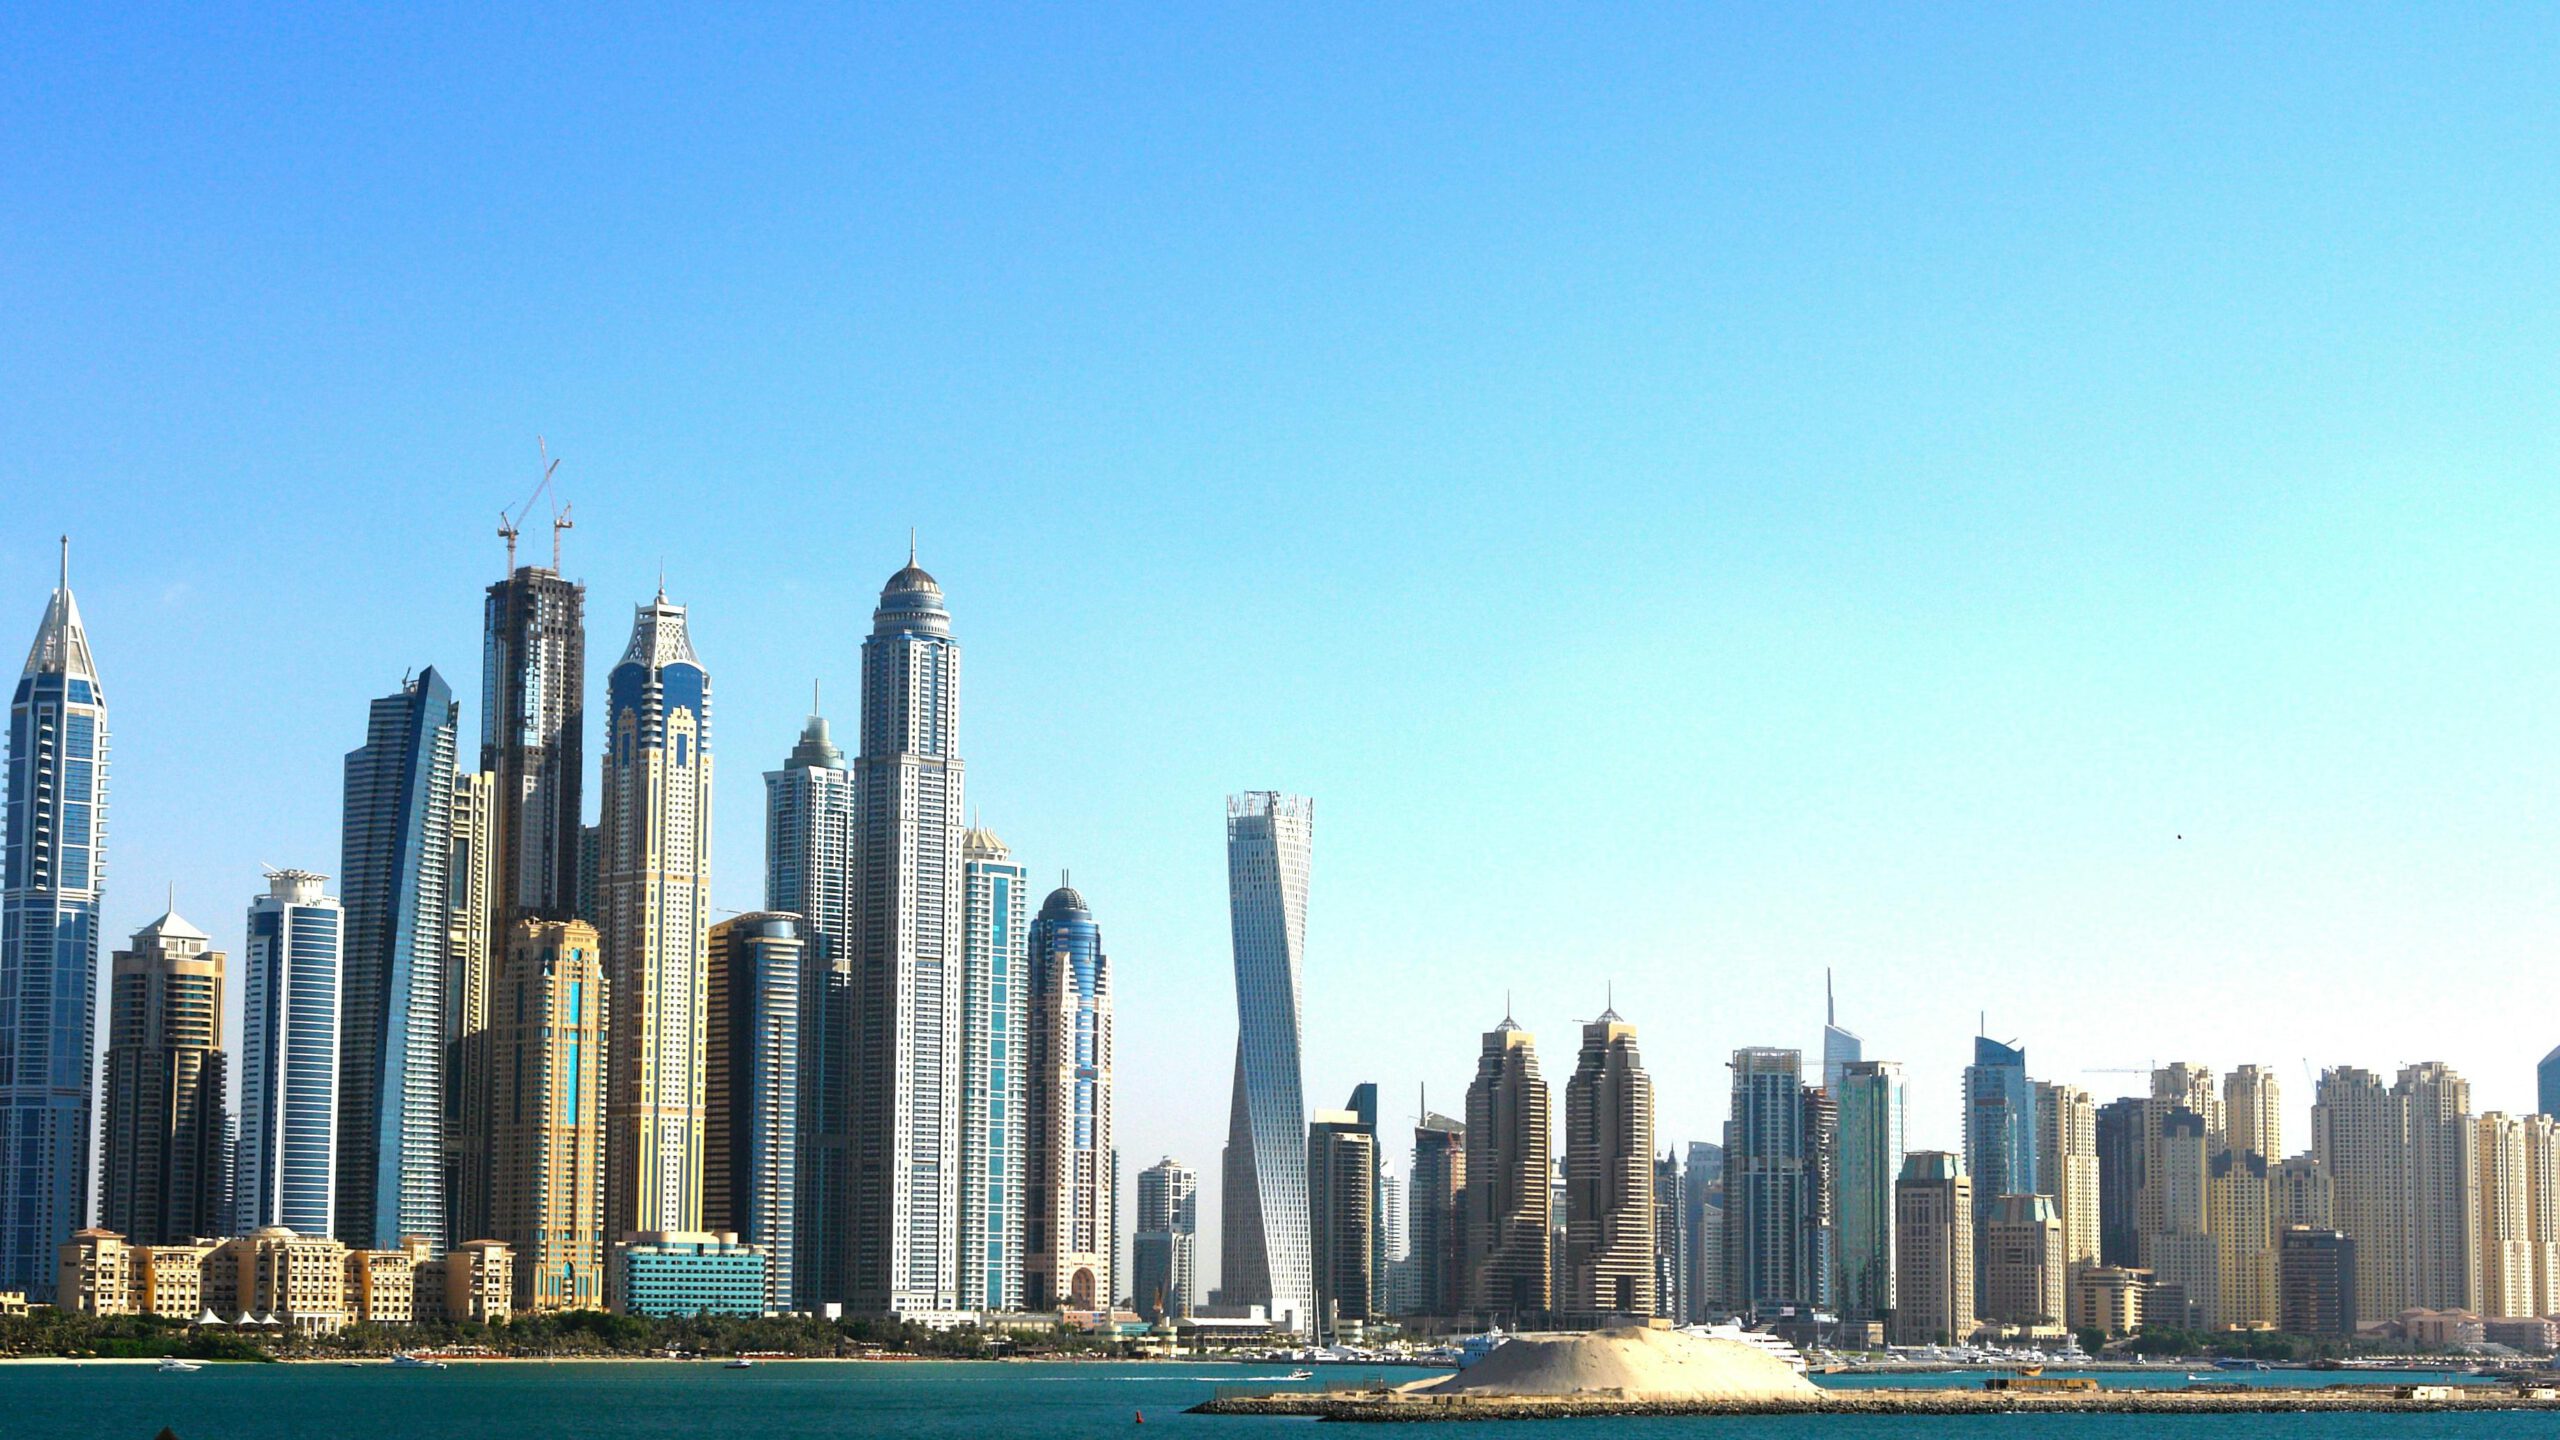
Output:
x=787 y=1400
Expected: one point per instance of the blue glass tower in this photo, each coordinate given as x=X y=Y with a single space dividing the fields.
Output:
x=396 y=847
x=995 y=1006
x=2546 y=1084
x=289 y=1058
x=51 y=867
x=1999 y=1125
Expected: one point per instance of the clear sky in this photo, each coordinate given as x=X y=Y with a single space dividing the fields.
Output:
x=2042 y=511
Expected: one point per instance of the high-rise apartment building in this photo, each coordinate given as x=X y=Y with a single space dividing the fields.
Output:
x=1510 y=1192
x=1342 y=1188
x=1702 y=1180
x=1868 y=1161
x=2546 y=1085
x=1264 y=1220
x=1436 y=1207
x=2301 y=1193
x=1933 y=1250
x=909 y=913
x=166 y=1127
x=808 y=857
x=655 y=851
x=2503 y=1195
x=546 y=1042
x=1163 y=1262
x=751 y=1091
x=1608 y=1166
x=2360 y=1135
x=1068 y=1225
x=2025 y=1269
x=2443 y=1173
x=2186 y=1086
x=2239 y=1216
x=2186 y=1262
x=1771 y=1187
x=1821 y=1234
x=52 y=867
x=997 y=1045
x=2120 y=1126
x=2067 y=1168
x=2253 y=1113
x=286 y=1173
x=1999 y=1126
x=2541 y=1137
x=2316 y=1282
x=395 y=880
x=472 y=953
x=533 y=685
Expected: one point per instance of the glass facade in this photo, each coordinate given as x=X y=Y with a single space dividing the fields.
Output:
x=51 y=870
x=808 y=848
x=1868 y=1161
x=286 y=1173
x=1270 y=846
x=394 y=880
x=993 y=1123
x=1068 y=1226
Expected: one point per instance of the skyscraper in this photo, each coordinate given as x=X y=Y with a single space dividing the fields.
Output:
x=1840 y=1048
x=1670 y=1240
x=1162 y=1255
x=289 y=1058
x=1068 y=1228
x=2120 y=1162
x=1270 y=844
x=1436 y=1207
x=1608 y=1166
x=2067 y=1168
x=655 y=847
x=1770 y=1186
x=1702 y=1215
x=2186 y=1260
x=2253 y=1113
x=52 y=866
x=751 y=1090
x=1933 y=1250
x=2546 y=1085
x=2443 y=1173
x=996 y=1069
x=1868 y=1163
x=808 y=856
x=472 y=956
x=1999 y=1125
x=1510 y=1194
x=394 y=878
x=2025 y=1266
x=546 y=1040
x=2360 y=1135
x=167 y=1127
x=909 y=911
x=533 y=677
x=2237 y=1213
x=1342 y=1192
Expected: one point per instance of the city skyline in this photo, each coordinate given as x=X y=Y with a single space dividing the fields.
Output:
x=2000 y=511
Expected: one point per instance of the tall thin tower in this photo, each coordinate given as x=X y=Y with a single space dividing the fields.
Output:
x=52 y=865
x=396 y=847
x=909 y=908
x=655 y=847
x=808 y=860
x=532 y=737
x=1270 y=845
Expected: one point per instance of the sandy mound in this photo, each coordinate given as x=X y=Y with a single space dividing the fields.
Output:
x=1633 y=1364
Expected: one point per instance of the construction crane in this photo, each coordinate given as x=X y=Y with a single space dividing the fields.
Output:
x=507 y=524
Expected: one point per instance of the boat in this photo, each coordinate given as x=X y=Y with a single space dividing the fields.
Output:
x=1760 y=1340
x=740 y=1363
x=1300 y=1374
x=172 y=1365
x=1473 y=1348
x=402 y=1360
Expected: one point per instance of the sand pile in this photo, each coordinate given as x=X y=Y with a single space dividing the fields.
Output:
x=1631 y=1363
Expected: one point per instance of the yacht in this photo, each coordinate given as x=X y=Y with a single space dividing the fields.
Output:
x=740 y=1363
x=402 y=1360
x=1760 y=1340
x=172 y=1365
x=1475 y=1347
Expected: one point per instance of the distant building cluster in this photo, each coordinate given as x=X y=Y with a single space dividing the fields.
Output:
x=513 y=1065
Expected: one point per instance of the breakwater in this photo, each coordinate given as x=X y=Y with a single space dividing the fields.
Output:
x=1377 y=1405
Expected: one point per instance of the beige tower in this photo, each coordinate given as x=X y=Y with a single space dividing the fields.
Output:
x=2237 y=1214
x=2024 y=1268
x=1608 y=1168
x=2303 y=1193
x=470 y=971
x=1342 y=1188
x=2542 y=1208
x=2505 y=1218
x=1510 y=1192
x=2443 y=1176
x=546 y=1047
x=2183 y=1256
x=1933 y=1250
x=165 y=1125
x=654 y=848
x=2067 y=1166
x=2175 y=1087
x=2252 y=1113
x=2360 y=1135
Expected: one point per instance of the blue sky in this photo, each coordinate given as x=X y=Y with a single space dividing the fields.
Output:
x=1697 y=494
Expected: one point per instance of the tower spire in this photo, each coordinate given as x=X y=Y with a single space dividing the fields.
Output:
x=1830 y=1006
x=911 y=545
x=65 y=582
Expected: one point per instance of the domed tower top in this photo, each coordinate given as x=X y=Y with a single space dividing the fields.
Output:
x=911 y=601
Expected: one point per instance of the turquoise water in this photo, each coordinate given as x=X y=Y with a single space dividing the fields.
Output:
x=676 y=1401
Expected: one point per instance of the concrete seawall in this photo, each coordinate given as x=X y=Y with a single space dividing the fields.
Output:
x=1390 y=1406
